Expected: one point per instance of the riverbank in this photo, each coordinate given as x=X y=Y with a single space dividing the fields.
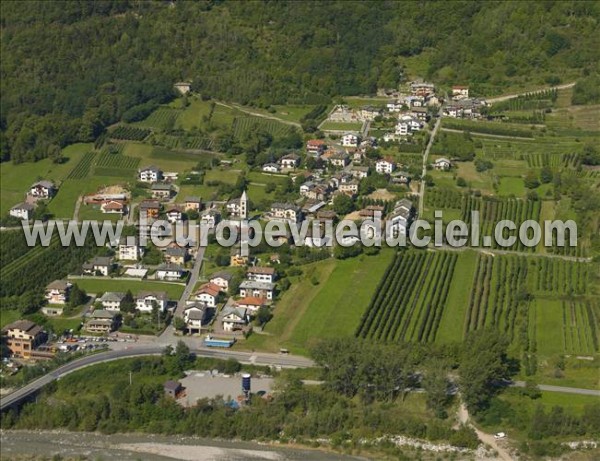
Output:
x=16 y=444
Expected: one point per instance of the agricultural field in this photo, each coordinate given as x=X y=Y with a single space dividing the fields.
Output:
x=163 y=118
x=409 y=302
x=243 y=126
x=129 y=133
x=116 y=165
x=15 y=180
x=84 y=166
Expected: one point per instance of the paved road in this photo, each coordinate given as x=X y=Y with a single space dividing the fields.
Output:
x=561 y=389
x=510 y=96
x=425 y=155
x=285 y=361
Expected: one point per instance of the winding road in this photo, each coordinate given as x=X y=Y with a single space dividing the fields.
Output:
x=136 y=350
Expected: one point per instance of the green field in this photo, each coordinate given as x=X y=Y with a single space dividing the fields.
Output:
x=90 y=285
x=197 y=113
x=332 y=308
x=340 y=126
x=15 y=180
x=451 y=324
x=244 y=125
x=511 y=186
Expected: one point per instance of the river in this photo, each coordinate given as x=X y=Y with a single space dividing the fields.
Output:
x=131 y=447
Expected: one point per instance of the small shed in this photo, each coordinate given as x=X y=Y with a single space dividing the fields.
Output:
x=172 y=388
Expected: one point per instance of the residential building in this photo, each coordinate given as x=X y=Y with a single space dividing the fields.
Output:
x=174 y=214
x=398 y=221
x=57 y=292
x=385 y=166
x=315 y=147
x=422 y=88
x=149 y=209
x=234 y=318
x=261 y=274
x=111 y=300
x=208 y=294
x=360 y=172
x=113 y=207
x=460 y=92
x=394 y=106
x=145 y=299
x=402 y=129
x=195 y=316
x=150 y=174
x=101 y=321
x=286 y=212
x=169 y=271
x=42 y=190
x=350 y=140
x=340 y=159
x=290 y=161
x=176 y=255
x=161 y=191
x=128 y=249
x=271 y=168
x=22 y=337
x=442 y=164
x=349 y=188
x=210 y=218
x=257 y=289
x=22 y=211
x=251 y=303
x=100 y=265
x=400 y=177
x=221 y=279
x=192 y=203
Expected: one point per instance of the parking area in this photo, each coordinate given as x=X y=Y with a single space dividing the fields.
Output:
x=205 y=384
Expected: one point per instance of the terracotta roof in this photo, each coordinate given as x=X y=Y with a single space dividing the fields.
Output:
x=251 y=301
x=261 y=270
x=210 y=289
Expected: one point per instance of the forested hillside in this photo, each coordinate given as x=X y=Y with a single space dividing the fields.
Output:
x=69 y=69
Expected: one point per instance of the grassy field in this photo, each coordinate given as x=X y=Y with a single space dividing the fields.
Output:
x=163 y=158
x=15 y=180
x=197 y=113
x=173 y=290
x=332 y=308
x=451 y=326
x=340 y=126
x=338 y=307
x=8 y=315
x=511 y=186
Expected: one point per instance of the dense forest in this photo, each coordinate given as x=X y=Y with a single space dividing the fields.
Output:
x=71 y=68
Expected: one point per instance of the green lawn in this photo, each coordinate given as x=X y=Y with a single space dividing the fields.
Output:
x=101 y=285
x=226 y=175
x=511 y=186
x=15 y=180
x=63 y=204
x=340 y=126
x=336 y=309
x=161 y=157
x=452 y=324
x=8 y=315
x=549 y=327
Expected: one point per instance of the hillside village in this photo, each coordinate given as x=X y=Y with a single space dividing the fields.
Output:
x=361 y=161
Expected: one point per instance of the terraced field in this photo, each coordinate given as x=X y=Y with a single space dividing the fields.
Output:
x=161 y=119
